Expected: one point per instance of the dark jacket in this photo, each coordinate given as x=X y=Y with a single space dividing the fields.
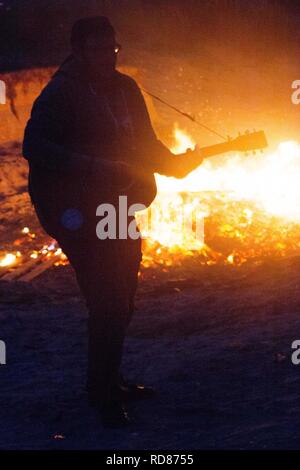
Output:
x=69 y=120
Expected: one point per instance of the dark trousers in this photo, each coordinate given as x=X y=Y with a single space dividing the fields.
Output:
x=107 y=274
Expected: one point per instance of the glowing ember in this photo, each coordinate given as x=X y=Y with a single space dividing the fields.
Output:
x=26 y=231
x=8 y=260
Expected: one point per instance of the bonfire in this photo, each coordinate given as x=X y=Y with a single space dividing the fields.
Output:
x=248 y=208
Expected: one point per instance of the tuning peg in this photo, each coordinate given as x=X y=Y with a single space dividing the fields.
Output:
x=247 y=132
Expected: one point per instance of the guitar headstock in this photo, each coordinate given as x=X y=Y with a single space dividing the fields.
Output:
x=255 y=140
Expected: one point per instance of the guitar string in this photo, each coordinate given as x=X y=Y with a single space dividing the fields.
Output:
x=187 y=115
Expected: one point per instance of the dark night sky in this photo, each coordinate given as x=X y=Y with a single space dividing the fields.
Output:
x=35 y=32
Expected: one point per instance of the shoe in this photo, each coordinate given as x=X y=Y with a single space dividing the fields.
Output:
x=131 y=392
x=114 y=416
x=112 y=413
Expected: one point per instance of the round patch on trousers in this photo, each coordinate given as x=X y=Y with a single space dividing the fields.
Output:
x=72 y=219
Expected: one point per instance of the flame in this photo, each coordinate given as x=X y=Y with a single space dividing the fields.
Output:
x=182 y=141
x=271 y=180
x=253 y=200
x=167 y=211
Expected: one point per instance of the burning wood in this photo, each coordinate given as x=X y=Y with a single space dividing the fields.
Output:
x=250 y=207
x=29 y=264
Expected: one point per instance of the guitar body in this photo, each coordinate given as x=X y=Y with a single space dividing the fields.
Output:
x=143 y=190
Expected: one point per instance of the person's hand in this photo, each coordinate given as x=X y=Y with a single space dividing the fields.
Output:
x=195 y=155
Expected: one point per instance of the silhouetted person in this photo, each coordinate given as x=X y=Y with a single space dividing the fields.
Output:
x=89 y=139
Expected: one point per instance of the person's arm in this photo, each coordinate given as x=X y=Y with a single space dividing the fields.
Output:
x=46 y=129
x=45 y=134
x=158 y=157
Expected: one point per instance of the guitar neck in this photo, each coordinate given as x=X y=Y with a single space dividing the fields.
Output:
x=212 y=150
x=243 y=143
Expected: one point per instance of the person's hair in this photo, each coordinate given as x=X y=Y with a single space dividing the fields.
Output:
x=91 y=25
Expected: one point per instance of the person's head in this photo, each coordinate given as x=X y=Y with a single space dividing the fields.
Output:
x=93 y=42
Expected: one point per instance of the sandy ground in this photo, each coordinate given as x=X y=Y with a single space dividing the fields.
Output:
x=216 y=345
x=215 y=341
